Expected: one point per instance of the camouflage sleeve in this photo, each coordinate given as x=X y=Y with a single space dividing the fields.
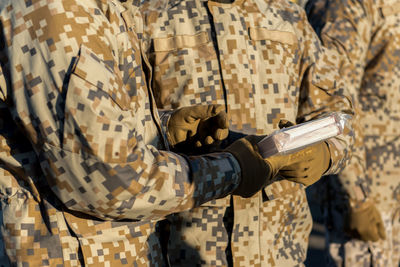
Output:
x=347 y=28
x=322 y=91
x=77 y=89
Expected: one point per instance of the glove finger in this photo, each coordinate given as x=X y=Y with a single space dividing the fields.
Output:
x=380 y=225
x=368 y=230
x=292 y=167
x=301 y=156
x=300 y=165
x=191 y=133
x=312 y=177
x=217 y=108
x=285 y=124
x=216 y=127
x=178 y=136
x=299 y=180
x=381 y=231
x=373 y=234
x=314 y=173
x=204 y=112
x=198 y=144
x=306 y=177
x=221 y=120
x=297 y=173
x=221 y=134
x=208 y=140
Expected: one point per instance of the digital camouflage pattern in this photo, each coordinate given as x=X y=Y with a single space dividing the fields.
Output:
x=367 y=34
x=301 y=3
x=264 y=62
x=82 y=180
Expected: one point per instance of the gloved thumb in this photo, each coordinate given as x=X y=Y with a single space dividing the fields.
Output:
x=221 y=126
x=285 y=124
x=381 y=231
x=204 y=112
x=379 y=225
x=221 y=134
x=221 y=119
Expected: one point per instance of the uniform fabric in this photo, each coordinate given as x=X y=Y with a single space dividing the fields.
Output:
x=367 y=34
x=82 y=180
x=263 y=61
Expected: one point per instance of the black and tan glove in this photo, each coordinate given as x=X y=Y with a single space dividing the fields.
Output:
x=197 y=126
x=305 y=166
x=255 y=173
x=365 y=222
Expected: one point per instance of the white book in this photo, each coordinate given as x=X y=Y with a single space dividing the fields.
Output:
x=292 y=139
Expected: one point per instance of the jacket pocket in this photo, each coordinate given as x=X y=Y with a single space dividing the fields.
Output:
x=184 y=68
x=180 y=41
x=325 y=70
x=95 y=71
x=277 y=90
x=285 y=223
x=99 y=117
x=116 y=242
x=30 y=232
x=389 y=10
x=281 y=188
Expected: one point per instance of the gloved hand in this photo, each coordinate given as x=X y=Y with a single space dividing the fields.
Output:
x=255 y=173
x=196 y=126
x=305 y=166
x=365 y=222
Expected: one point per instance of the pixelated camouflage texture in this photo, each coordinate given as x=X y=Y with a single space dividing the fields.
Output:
x=344 y=250
x=301 y=3
x=264 y=62
x=367 y=34
x=83 y=181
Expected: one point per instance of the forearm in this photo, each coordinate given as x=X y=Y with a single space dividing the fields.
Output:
x=86 y=110
x=154 y=185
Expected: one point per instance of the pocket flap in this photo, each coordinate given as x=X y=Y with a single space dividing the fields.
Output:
x=281 y=188
x=389 y=10
x=180 y=41
x=96 y=72
x=257 y=34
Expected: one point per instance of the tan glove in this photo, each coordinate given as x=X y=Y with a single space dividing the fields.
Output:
x=255 y=173
x=196 y=126
x=305 y=166
x=365 y=222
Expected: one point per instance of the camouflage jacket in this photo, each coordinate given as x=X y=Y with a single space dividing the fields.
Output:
x=83 y=179
x=264 y=62
x=366 y=33
x=301 y=3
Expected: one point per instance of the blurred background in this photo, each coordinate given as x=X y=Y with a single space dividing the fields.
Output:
x=316 y=245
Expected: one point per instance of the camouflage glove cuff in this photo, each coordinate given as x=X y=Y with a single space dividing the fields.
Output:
x=365 y=221
x=255 y=172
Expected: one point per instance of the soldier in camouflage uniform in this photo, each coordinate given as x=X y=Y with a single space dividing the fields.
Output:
x=363 y=223
x=301 y=3
x=264 y=62
x=82 y=179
